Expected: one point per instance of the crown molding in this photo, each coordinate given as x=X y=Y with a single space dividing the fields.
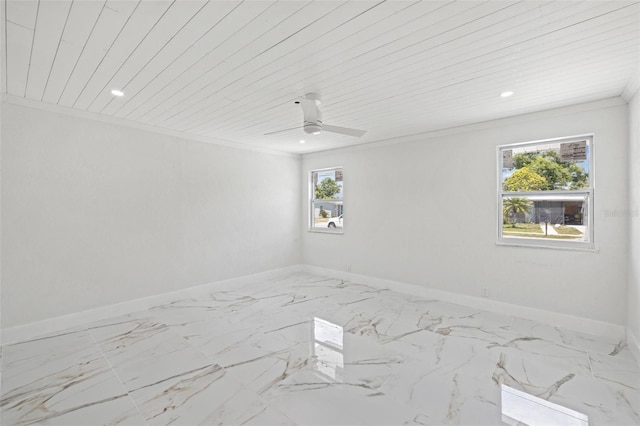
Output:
x=87 y=115
x=632 y=86
x=611 y=102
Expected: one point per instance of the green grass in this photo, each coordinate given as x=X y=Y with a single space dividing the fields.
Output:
x=567 y=230
x=549 y=237
x=534 y=230
x=560 y=237
x=522 y=228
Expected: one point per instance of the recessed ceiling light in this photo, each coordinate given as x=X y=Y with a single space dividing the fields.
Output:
x=116 y=92
x=506 y=94
x=302 y=141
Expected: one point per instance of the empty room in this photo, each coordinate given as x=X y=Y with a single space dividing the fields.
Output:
x=322 y=212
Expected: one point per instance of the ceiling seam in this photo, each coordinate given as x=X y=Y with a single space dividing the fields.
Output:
x=55 y=56
x=428 y=13
x=73 y=70
x=124 y=87
x=124 y=25
x=298 y=48
x=533 y=60
x=133 y=51
x=130 y=98
x=215 y=66
x=266 y=50
x=6 y=50
x=502 y=49
x=33 y=38
x=190 y=67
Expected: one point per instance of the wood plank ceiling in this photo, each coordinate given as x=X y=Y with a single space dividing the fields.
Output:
x=230 y=70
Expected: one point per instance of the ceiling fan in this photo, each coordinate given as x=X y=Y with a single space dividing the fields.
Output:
x=313 y=124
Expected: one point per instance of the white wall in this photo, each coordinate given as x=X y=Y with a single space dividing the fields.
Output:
x=440 y=231
x=95 y=213
x=633 y=307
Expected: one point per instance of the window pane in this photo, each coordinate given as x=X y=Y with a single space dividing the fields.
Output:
x=555 y=166
x=327 y=192
x=327 y=214
x=327 y=184
x=553 y=216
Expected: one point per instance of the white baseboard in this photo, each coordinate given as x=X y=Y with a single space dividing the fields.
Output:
x=50 y=326
x=634 y=344
x=584 y=325
x=38 y=329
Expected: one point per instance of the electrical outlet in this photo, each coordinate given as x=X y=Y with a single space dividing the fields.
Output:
x=484 y=292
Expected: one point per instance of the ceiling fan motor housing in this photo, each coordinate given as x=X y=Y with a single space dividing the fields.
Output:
x=312 y=128
x=313 y=124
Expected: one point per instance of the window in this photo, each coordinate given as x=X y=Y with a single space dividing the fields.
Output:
x=326 y=194
x=545 y=193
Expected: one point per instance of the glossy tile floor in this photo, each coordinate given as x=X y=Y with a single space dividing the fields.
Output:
x=311 y=350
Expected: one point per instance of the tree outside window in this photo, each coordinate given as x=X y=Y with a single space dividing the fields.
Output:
x=546 y=192
x=327 y=206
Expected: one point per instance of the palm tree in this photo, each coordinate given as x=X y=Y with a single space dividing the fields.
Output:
x=513 y=206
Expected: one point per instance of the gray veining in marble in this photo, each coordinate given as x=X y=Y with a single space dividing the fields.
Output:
x=305 y=349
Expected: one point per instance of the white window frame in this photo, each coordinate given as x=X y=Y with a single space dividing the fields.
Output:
x=588 y=192
x=312 y=199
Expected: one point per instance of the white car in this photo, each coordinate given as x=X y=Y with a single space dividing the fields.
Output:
x=335 y=222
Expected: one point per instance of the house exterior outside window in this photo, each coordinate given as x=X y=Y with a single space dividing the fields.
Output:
x=545 y=193
x=326 y=192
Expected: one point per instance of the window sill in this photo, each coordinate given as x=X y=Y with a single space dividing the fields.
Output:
x=587 y=247
x=325 y=231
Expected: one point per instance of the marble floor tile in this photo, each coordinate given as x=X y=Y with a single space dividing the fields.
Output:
x=311 y=398
x=399 y=319
x=619 y=369
x=143 y=351
x=566 y=337
x=355 y=361
x=553 y=355
x=203 y=397
x=218 y=306
x=62 y=380
x=603 y=403
x=452 y=384
x=307 y=349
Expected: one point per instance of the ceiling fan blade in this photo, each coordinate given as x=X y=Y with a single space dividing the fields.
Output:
x=284 y=130
x=343 y=130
